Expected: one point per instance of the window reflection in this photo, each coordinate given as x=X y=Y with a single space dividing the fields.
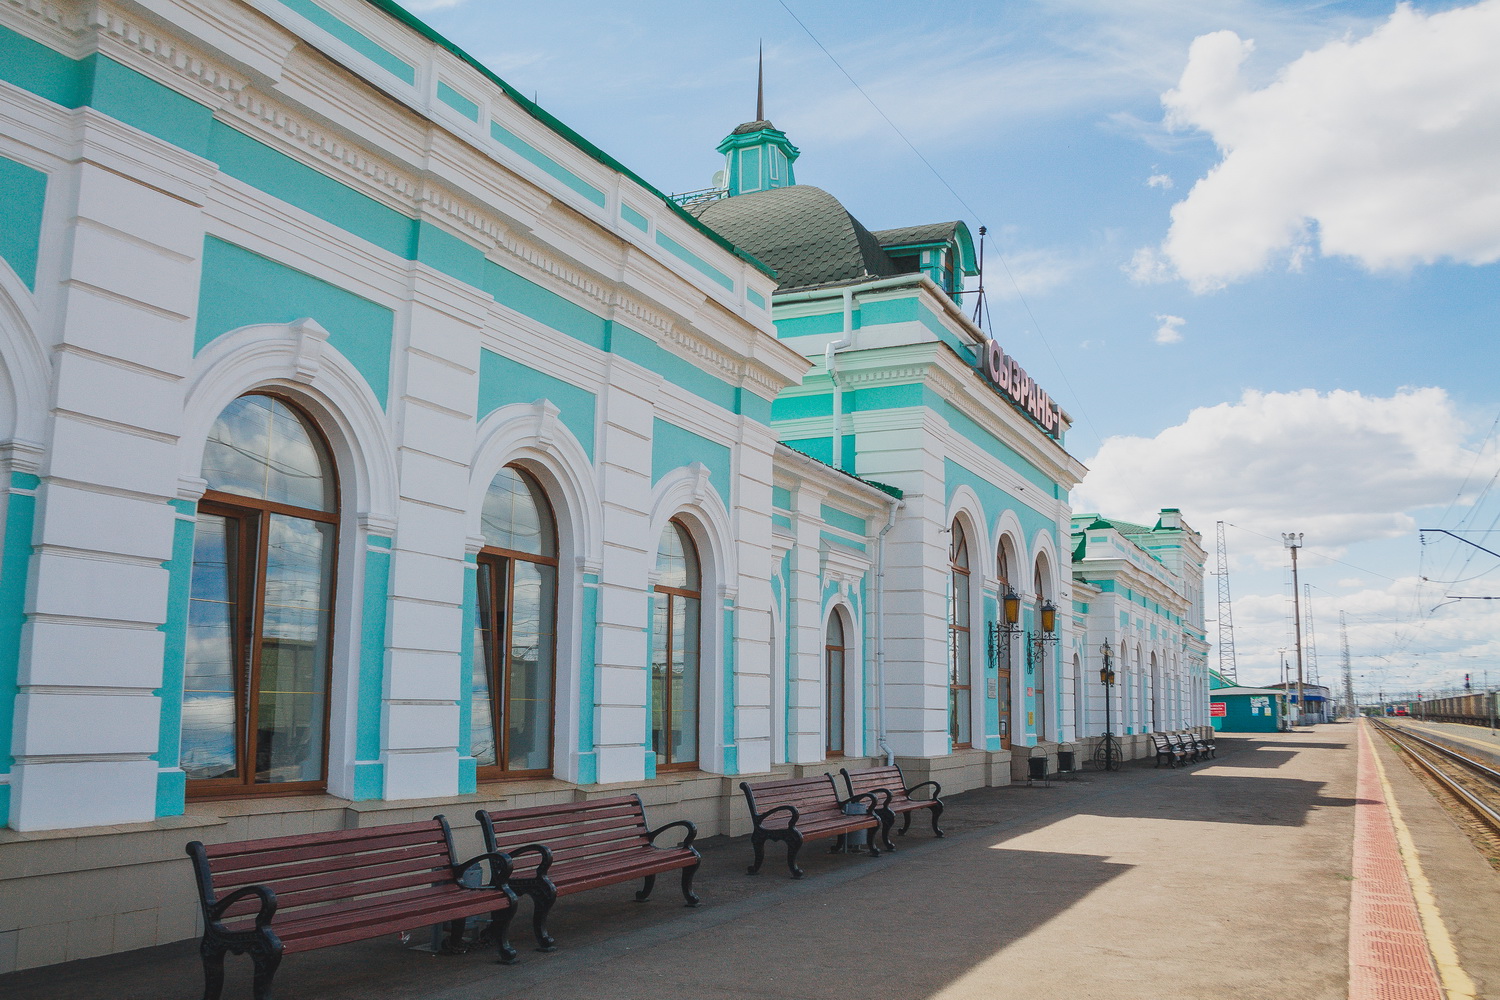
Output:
x=675 y=650
x=260 y=603
x=513 y=679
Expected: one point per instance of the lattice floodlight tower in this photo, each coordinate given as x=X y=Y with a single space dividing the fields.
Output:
x=1226 y=613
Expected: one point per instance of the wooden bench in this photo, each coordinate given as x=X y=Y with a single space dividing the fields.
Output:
x=796 y=810
x=1167 y=751
x=288 y=894
x=562 y=849
x=1203 y=747
x=889 y=780
x=1189 y=746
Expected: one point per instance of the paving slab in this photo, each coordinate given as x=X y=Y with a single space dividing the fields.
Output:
x=1226 y=879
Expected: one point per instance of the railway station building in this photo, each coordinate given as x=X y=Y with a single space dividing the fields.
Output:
x=376 y=446
x=1139 y=588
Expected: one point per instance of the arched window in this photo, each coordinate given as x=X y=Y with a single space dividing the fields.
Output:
x=260 y=629
x=1038 y=650
x=674 y=651
x=515 y=630
x=833 y=686
x=958 y=639
x=1003 y=650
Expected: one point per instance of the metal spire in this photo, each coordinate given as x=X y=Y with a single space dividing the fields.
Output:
x=760 y=84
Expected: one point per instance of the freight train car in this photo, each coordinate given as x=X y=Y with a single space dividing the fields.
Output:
x=1477 y=709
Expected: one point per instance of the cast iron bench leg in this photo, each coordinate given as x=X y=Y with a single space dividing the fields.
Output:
x=541 y=905
x=499 y=932
x=937 y=810
x=758 y=844
x=646 y=887
x=887 y=820
x=687 y=885
x=793 y=845
x=266 y=956
x=213 y=969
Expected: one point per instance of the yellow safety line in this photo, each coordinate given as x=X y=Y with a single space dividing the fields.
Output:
x=1456 y=982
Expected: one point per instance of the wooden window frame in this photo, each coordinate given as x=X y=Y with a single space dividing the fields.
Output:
x=503 y=561
x=829 y=709
x=251 y=618
x=960 y=632
x=1004 y=696
x=499 y=707
x=685 y=594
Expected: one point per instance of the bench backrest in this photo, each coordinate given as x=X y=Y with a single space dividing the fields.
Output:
x=315 y=868
x=869 y=779
x=1163 y=742
x=572 y=830
x=812 y=796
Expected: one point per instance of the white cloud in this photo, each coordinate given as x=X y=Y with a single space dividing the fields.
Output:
x=1341 y=467
x=1384 y=149
x=1170 y=331
x=1030 y=273
x=1162 y=181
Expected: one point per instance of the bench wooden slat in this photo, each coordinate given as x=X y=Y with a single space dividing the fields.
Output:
x=349 y=868
x=339 y=839
x=258 y=859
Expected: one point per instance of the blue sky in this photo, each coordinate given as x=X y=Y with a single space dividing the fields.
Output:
x=1253 y=247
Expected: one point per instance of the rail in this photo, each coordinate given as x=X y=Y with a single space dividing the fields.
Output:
x=1441 y=762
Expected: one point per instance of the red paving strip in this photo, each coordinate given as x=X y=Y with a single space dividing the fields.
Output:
x=1388 y=954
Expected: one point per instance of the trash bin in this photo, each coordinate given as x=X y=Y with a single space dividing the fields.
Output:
x=1067 y=762
x=855 y=839
x=1036 y=768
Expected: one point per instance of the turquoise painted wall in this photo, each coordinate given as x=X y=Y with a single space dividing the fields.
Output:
x=15 y=567
x=171 y=785
x=503 y=381
x=25 y=194
x=468 y=772
x=369 y=772
x=673 y=447
x=160 y=111
x=240 y=288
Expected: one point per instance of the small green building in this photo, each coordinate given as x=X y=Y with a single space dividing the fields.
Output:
x=1246 y=710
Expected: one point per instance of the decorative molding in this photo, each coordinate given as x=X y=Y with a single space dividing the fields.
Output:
x=269 y=116
x=308 y=341
x=183 y=62
x=547 y=415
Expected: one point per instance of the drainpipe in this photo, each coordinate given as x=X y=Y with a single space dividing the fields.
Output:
x=834 y=346
x=880 y=736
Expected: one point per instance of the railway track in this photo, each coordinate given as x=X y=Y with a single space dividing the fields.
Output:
x=1473 y=783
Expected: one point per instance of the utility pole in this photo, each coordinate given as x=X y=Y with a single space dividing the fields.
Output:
x=1226 y=614
x=1348 y=674
x=1293 y=540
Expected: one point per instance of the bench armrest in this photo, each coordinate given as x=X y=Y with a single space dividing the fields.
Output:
x=500 y=867
x=541 y=850
x=267 y=897
x=686 y=824
x=878 y=792
x=874 y=799
x=937 y=789
x=760 y=818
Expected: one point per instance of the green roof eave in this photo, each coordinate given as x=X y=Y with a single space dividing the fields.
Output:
x=969 y=262
x=588 y=148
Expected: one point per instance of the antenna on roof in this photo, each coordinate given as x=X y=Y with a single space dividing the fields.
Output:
x=980 y=307
x=760 y=84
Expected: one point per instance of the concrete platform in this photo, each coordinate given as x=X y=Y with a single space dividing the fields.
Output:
x=1228 y=879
